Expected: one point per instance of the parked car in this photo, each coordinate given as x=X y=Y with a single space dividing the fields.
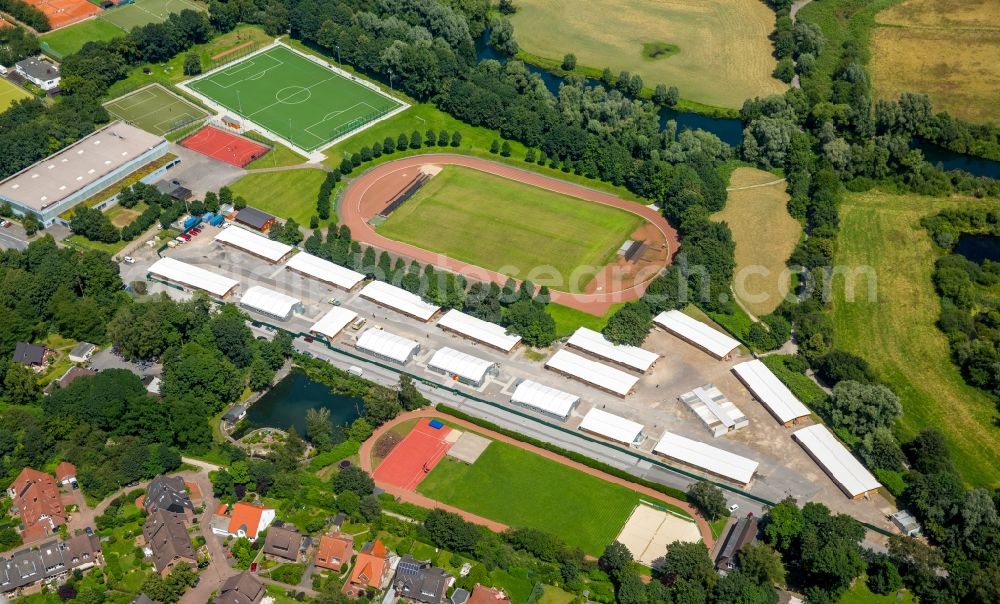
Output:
x=128 y=260
x=734 y=507
x=180 y=240
x=89 y=531
x=4 y=223
x=185 y=237
x=309 y=339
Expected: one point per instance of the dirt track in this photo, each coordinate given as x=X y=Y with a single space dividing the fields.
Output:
x=418 y=499
x=371 y=192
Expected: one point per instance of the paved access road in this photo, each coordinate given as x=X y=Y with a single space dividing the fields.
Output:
x=368 y=194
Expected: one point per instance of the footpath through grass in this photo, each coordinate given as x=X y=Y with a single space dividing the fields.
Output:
x=765 y=236
x=897 y=332
x=519 y=488
x=286 y=193
x=510 y=227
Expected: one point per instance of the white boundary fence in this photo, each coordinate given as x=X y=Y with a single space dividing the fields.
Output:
x=315 y=155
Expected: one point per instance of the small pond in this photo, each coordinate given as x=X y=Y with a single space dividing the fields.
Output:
x=950 y=160
x=978 y=248
x=285 y=405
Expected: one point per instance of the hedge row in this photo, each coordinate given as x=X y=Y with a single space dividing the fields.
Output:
x=572 y=455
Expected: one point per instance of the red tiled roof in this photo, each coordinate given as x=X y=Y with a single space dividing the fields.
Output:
x=487 y=595
x=37 y=499
x=246 y=517
x=334 y=551
x=370 y=566
x=65 y=470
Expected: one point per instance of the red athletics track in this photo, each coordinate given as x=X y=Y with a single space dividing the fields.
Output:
x=414 y=457
x=369 y=193
x=221 y=145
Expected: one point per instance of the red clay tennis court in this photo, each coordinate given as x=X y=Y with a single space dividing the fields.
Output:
x=415 y=456
x=63 y=12
x=224 y=146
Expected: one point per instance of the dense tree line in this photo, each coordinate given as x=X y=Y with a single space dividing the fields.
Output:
x=27 y=14
x=16 y=43
x=970 y=308
x=96 y=226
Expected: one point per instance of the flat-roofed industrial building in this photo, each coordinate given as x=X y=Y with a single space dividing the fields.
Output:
x=712 y=407
x=473 y=328
x=270 y=303
x=328 y=272
x=589 y=372
x=705 y=457
x=696 y=333
x=333 y=322
x=64 y=179
x=193 y=277
x=768 y=389
x=254 y=244
x=461 y=367
x=612 y=427
x=631 y=357
x=387 y=346
x=836 y=460
x=545 y=399
x=399 y=300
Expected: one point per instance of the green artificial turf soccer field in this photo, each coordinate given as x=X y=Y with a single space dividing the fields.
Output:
x=144 y=12
x=536 y=492
x=294 y=97
x=155 y=109
x=510 y=227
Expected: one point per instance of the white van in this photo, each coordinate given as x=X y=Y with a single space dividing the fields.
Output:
x=355 y=370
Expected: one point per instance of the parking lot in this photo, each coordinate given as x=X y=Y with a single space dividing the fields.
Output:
x=785 y=469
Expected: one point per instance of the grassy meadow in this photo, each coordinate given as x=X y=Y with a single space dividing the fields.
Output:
x=947 y=49
x=539 y=493
x=67 y=40
x=509 y=227
x=286 y=194
x=897 y=332
x=765 y=235
x=723 y=52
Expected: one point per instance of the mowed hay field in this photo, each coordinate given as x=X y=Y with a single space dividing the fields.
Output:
x=765 y=236
x=286 y=193
x=947 y=49
x=509 y=227
x=521 y=489
x=725 y=54
x=897 y=333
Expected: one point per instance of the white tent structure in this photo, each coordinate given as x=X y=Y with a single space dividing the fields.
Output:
x=719 y=413
x=252 y=243
x=317 y=268
x=595 y=343
x=194 y=277
x=831 y=455
x=768 y=389
x=333 y=322
x=593 y=373
x=476 y=329
x=695 y=332
x=462 y=367
x=612 y=427
x=545 y=399
x=384 y=345
x=398 y=300
x=713 y=460
x=271 y=303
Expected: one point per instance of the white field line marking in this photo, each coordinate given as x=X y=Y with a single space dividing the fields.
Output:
x=243 y=67
x=124 y=104
x=334 y=114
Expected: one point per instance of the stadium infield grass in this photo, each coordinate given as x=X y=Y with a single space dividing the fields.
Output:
x=540 y=493
x=294 y=97
x=509 y=227
x=765 y=236
x=144 y=12
x=723 y=56
x=897 y=333
x=67 y=40
x=10 y=93
x=155 y=109
x=286 y=194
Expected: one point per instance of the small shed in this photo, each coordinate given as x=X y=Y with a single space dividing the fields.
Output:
x=255 y=219
x=82 y=352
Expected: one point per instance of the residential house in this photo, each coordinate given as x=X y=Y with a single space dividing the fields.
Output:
x=82 y=352
x=167 y=540
x=48 y=561
x=371 y=570
x=422 y=582
x=32 y=355
x=36 y=498
x=487 y=595
x=234 y=415
x=170 y=494
x=255 y=219
x=242 y=520
x=241 y=589
x=72 y=374
x=152 y=384
x=141 y=599
x=742 y=533
x=39 y=72
x=283 y=542
x=65 y=473
x=334 y=551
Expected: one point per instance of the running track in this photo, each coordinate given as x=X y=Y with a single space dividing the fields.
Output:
x=418 y=499
x=368 y=193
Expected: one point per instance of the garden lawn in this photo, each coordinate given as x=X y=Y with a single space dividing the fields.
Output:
x=897 y=333
x=860 y=594
x=286 y=194
x=521 y=489
x=723 y=56
x=509 y=227
x=10 y=93
x=67 y=40
x=569 y=319
x=765 y=236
